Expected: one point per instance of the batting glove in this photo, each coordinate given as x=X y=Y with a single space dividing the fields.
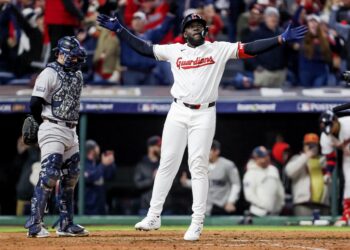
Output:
x=294 y=34
x=110 y=23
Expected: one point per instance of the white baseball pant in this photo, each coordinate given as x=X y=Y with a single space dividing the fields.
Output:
x=346 y=172
x=195 y=128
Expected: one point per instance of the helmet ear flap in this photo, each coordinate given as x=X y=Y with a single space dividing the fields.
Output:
x=205 y=31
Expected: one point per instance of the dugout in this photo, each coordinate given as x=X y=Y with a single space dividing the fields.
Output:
x=123 y=118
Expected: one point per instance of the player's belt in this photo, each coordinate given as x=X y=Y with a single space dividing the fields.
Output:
x=67 y=124
x=195 y=106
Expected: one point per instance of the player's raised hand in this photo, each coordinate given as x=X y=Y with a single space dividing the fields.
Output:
x=110 y=23
x=294 y=34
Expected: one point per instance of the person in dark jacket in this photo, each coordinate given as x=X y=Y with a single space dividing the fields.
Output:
x=270 y=70
x=95 y=174
x=139 y=68
x=31 y=42
x=145 y=172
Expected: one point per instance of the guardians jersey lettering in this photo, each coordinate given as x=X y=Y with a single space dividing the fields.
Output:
x=190 y=64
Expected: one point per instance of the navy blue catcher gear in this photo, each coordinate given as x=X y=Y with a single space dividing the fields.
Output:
x=192 y=18
x=327 y=119
x=70 y=175
x=49 y=175
x=70 y=47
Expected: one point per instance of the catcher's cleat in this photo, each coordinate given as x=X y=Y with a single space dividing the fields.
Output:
x=193 y=232
x=72 y=230
x=38 y=231
x=149 y=223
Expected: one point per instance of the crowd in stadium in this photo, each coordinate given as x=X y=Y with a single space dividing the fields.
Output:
x=29 y=29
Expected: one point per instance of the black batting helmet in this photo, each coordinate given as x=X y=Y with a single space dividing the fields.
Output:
x=327 y=119
x=191 y=18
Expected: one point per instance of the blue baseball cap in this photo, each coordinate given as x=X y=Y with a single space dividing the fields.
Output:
x=260 y=152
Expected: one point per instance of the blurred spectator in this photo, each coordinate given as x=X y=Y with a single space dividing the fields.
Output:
x=249 y=21
x=213 y=19
x=30 y=46
x=88 y=38
x=336 y=44
x=224 y=183
x=61 y=19
x=146 y=171
x=107 y=57
x=8 y=41
x=95 y=174
x=235 y=8
x=26 y=157
x=339 y=21
x=139 y=68
x=309 y=190
x=270 y=73
x=155 y=11
x=315 y=55
x=280 y=153
x=262 y=185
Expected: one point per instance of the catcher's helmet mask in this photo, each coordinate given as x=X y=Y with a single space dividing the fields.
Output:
x=74 y=54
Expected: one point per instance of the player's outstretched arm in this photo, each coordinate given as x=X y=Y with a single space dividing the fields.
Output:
x=112 y=23
x=341 y=107
x=260 y=46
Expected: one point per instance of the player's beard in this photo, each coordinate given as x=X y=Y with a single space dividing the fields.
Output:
x=195 y=41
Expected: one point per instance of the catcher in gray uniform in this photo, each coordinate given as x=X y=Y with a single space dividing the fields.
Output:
x=54 y=105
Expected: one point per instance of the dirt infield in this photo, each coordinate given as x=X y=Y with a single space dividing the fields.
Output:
x=172 y=239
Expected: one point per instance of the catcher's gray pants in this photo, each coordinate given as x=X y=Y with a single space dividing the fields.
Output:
x=54 y=138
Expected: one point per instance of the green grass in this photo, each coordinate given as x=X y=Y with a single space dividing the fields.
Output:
x=9 y=229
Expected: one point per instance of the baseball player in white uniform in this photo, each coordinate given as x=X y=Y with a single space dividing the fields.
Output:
x=336 y=135
x=55 y=104
x=197 y=67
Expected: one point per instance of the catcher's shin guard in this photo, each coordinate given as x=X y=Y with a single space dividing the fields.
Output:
x=47 y=180
x=70 y=175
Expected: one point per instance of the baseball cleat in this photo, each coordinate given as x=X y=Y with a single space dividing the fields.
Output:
x=341 y=223
x=193 y=232
x=148 y=223
x=73 y=230
x=43 y=233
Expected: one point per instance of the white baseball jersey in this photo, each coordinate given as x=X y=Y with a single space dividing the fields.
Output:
x=329 y=142
x=197 y=71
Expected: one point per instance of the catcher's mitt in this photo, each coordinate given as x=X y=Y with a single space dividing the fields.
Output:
x=30 y=130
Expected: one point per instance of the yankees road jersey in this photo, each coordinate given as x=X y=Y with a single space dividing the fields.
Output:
x=61 y=90
x=197 y=71
x=329 y=142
